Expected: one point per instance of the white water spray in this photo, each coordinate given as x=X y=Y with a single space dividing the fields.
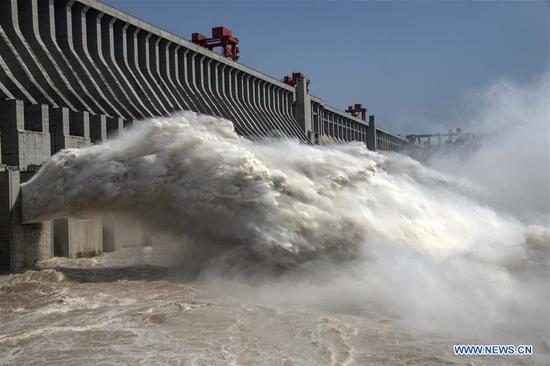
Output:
x=337 y=224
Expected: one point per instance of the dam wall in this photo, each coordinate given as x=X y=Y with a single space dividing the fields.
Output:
x=77 y=72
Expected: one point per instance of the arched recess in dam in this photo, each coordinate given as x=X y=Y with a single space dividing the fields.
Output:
x=77 y=72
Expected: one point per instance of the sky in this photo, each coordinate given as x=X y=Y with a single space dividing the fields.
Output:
x=414 y=64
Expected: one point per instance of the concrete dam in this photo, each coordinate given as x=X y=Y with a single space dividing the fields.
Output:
x=77 y=72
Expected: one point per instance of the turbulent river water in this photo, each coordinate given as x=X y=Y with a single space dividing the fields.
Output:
x=276 y=253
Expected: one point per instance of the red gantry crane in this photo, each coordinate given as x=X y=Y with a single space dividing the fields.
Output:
x=221 y=37
x=356 y=109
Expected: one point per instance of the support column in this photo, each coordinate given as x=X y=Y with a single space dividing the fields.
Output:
x=59 y=128
x=303 y=108
x=79 y=124
x=372 y=140
x=20 y=245
x=11 y=121
x=98 y=128
x=114 y=126
x=20 y=147
x=78 y=237
x=69 y=129
x=37 y=118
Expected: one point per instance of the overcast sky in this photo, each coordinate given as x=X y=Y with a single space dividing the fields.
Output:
x=413 y=64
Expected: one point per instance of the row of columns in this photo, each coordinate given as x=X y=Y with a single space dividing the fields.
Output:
x=29 y=135
x=65 y=53
x=336 y=126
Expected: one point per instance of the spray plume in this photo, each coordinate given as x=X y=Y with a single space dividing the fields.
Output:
x=339 y=222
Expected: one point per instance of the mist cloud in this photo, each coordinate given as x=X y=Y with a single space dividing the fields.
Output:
x=335 y=224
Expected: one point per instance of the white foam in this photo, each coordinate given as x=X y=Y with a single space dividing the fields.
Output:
x=389 y=230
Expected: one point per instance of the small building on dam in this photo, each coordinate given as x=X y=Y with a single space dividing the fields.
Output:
x=77 y=72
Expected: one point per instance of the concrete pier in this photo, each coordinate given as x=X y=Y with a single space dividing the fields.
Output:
x=77 y=237
x=20 y=245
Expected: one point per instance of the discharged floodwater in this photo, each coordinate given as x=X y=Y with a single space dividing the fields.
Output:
x=275 y=252
x=128 y=308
